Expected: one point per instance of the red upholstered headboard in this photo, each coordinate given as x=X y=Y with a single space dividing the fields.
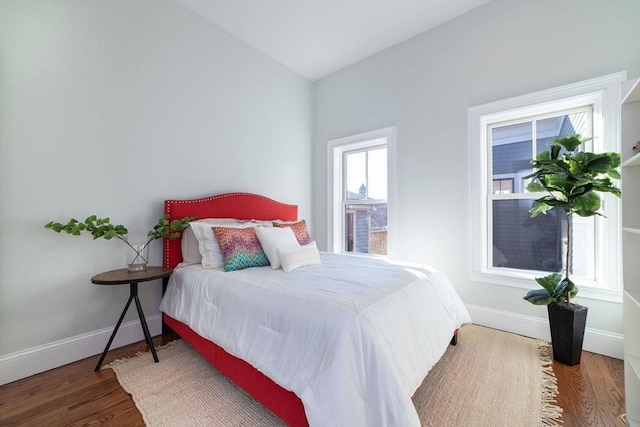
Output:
x=229 y=205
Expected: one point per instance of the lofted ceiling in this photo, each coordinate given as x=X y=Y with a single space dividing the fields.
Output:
x=318 y=37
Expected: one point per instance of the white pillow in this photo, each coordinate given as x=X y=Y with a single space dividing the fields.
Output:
x=302 y=256
x=190 y=248
x=272 y=239
x=208 y=244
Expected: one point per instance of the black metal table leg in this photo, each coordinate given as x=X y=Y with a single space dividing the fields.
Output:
x=123 y=276
x=113 y=334
x=143 y=322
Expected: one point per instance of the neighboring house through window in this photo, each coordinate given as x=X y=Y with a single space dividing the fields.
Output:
x=509 y=247
x=359 y=183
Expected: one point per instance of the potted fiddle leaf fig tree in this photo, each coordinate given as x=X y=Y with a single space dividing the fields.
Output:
x=572 y=179
x=137 y=259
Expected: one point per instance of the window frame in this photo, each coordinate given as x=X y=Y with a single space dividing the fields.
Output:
x=604 y=94
x=335 y=185
x=541 y=112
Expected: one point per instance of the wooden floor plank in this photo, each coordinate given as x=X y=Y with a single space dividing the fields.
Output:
x=591 y=394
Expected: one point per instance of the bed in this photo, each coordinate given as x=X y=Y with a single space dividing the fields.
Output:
x=324 y=345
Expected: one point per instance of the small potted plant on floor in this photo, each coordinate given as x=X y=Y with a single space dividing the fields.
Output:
x=572 y=180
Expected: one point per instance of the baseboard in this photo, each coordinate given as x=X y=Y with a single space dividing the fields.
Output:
x=32 y=361
x=29 y=362
x=595 y=340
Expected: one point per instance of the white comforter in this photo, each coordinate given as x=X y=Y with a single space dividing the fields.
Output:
x=353 y=337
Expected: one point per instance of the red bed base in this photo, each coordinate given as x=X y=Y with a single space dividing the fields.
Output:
x=285 y=404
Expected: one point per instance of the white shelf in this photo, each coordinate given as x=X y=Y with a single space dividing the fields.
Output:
x=634 y=361
x=630 y=134
x=632 y=377
x=630 y=91
x=632 y=230
x=632 y=162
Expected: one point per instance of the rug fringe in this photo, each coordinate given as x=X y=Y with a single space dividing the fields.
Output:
x=551 y=413
x=140 y=353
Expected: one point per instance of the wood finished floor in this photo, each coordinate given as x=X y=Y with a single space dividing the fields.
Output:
x=591 y=394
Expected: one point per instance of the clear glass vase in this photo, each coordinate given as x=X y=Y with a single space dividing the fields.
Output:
x=137 y=256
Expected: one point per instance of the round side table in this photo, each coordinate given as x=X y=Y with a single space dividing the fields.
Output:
x=124 y=276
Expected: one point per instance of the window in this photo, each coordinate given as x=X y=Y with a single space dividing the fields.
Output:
x=509 y=247
x=515 y=240
x=359 y=187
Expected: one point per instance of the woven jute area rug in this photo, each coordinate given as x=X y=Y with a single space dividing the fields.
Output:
x=491 y=378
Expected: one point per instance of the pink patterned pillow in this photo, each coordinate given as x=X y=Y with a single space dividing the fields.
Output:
x=240 y=248
x=299 y=229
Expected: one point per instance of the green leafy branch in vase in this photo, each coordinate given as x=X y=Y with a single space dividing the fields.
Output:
x=103 y=228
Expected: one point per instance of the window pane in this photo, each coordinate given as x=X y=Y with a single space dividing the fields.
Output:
x=526 y=243
x=539 y=243
x=377 y=182
x=356 y=175
x=366 y=228
x=511 y=148
x=503 y=186
x=558 y=127
x=366 y=174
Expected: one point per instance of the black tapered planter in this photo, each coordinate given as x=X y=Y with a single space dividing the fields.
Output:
x=567 y=323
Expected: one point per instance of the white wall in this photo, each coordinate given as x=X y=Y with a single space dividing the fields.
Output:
x=110 y=107
x=424 y=87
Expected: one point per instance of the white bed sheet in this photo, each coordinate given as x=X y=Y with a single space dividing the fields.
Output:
x=353 y=337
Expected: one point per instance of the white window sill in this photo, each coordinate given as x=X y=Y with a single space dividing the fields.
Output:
x=522 y=280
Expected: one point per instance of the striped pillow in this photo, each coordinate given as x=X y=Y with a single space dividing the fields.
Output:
x=240 y=248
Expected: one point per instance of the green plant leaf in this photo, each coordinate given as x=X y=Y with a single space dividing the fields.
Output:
x=600 y=163
x=559 y=182
x=538 y=297
x=578 y=163
x=540 y=206
x=603 y=185
x=559 y=290
x=565 y=290
x=571 y=288
x=544 y=155
x=616 y=192
x=613 y=173
x=550 y=282
x=587 y=202
x=615 y=159
x=587 y=213
x=55 y=226
x=570 y=143
x=534 y=187
x=579 y=189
